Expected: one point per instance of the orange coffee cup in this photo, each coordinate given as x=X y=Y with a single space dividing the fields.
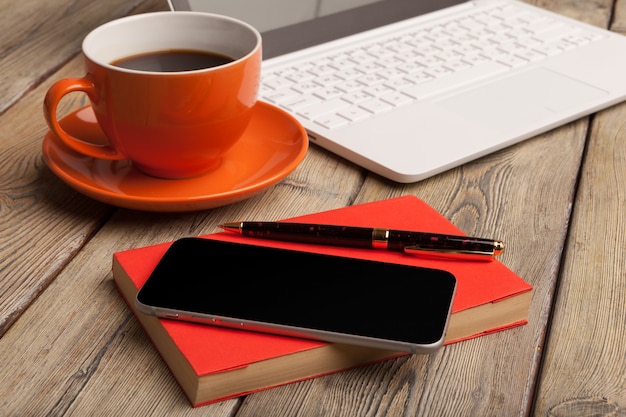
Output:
x=170 y=122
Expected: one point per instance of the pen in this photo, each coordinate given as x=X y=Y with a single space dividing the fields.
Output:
x=366 y=237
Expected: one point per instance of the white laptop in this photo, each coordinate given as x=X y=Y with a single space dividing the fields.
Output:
x=414 y=94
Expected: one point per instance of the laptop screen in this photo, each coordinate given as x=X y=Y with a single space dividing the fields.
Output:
x=288 y=26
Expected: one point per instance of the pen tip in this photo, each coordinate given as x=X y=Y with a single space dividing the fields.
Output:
x=234 y=227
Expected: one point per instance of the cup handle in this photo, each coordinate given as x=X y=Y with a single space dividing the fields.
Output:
x=51 y=101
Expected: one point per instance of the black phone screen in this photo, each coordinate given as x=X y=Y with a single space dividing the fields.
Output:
x=303 y=290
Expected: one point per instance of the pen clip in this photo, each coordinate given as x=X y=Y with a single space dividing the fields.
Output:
x=450 y=253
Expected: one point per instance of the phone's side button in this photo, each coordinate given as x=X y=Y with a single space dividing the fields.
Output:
x=171 y=315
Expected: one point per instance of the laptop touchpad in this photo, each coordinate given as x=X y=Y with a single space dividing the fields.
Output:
x=521 y=100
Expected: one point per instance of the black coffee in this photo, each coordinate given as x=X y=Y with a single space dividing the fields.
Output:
x=172 y=61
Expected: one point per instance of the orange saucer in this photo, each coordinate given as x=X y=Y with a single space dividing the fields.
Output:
x=271 y=148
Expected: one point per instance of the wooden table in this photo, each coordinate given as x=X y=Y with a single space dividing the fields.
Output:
x=70 y=345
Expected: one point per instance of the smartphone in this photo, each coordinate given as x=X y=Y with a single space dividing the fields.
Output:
x=301 y=294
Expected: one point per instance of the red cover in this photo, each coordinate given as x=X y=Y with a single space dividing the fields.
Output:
x=477 y=282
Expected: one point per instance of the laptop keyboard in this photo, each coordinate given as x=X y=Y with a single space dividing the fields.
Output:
x=356 y=82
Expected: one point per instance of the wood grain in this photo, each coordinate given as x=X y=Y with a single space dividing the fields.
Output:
x=49 y=222
x=583 y=370
x=71 y=347
x=592 y=289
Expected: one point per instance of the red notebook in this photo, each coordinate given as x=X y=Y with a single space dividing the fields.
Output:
x=213 y=364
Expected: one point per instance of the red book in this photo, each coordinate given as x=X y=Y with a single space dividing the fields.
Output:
x=213 y=364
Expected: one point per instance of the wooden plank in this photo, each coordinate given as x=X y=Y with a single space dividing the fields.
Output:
x=619 y=17
x=48 y=222
x=584 y=367
x=597 y=13
x=39 y=37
